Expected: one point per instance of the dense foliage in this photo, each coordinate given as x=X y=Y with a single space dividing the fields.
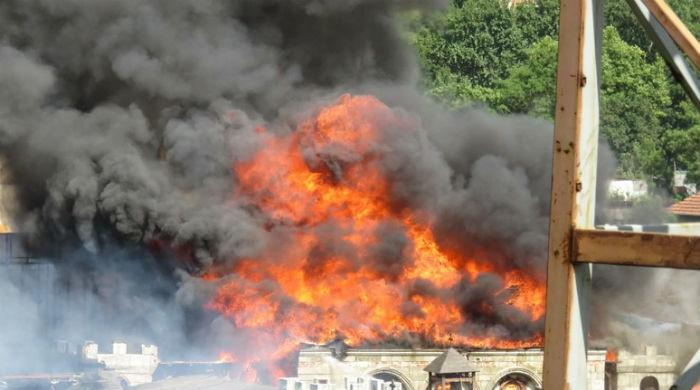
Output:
x=489 y=53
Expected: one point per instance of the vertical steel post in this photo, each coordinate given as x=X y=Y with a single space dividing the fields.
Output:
x=573 y=192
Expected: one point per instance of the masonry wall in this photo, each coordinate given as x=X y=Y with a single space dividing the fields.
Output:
x=134 y=368
x=319 y=363
x=631 y=369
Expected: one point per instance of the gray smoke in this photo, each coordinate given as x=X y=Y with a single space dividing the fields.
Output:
x=634 y=306
x=120 y=123
x=643 y=306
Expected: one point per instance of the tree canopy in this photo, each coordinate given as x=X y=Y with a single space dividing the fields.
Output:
x=488 y=53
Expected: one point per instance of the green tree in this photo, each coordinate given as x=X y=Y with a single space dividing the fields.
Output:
x=483 y=51
x=619 y=14
x=530 y=86
x=682 y=148
x=689 y=12
x=676 y=148
x=467 y=49
x=475 y=40
x=635 y=97
x=536 y=19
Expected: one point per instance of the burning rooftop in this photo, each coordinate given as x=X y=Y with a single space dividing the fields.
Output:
x=355 y=259
x=230 y=180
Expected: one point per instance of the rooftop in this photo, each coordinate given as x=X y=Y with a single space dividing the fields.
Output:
x=688 y=206
x=450 y=362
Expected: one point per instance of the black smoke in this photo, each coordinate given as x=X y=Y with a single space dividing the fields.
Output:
x=120 y=122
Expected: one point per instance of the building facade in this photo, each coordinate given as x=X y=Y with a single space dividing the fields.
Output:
x=498 y=369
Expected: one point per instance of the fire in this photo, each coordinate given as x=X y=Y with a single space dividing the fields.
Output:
x=327 y=197
x=227 y=357
x=248 y=373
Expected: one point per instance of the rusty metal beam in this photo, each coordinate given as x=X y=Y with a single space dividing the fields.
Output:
x=668 y=49
x=573 y=193
x=638 y=249
x=572 y=245
x=676 y=29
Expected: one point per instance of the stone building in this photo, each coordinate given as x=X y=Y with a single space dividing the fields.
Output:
x=128 y=369
x=498 y=369
x=650 y=367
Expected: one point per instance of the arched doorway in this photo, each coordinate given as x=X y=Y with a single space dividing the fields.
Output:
x=401 y=382
x=517 y=380
x=649 y=383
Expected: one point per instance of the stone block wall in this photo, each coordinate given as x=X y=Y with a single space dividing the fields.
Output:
x=134 y=368
x=632 y=369
x=408 y=364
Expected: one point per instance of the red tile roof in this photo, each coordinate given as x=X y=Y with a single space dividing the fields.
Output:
x=688 y=206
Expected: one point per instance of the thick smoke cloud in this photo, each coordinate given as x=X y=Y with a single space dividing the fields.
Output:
x=120 y=123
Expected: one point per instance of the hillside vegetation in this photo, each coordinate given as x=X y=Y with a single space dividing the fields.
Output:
x=483 y=52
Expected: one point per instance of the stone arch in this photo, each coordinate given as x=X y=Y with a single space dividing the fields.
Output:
x=405 y=381
x=514 y=373
x=649 y=383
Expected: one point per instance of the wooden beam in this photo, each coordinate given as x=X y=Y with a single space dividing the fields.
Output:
x=573 y=193
x=639 y=249
x=676 y=29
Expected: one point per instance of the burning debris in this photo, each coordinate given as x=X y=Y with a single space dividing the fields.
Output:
x=236 y=178
x=248 y=206
x=352 y=256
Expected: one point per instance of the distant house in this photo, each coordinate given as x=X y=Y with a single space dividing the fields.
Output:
x=687 y=210
x=627 y=191
x=681 y=185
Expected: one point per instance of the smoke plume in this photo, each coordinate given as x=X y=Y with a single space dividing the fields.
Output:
x=121 y=124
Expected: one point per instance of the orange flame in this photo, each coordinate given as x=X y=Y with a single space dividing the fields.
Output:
x=299 y=292
x=227 y=357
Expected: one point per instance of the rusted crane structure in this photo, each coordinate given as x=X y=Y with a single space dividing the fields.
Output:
x=574 y=244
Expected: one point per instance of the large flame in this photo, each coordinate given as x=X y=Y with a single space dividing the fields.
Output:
x=299 y=292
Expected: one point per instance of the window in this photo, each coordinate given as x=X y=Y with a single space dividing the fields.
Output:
x=649 y=383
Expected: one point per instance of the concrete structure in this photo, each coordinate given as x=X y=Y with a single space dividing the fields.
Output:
x=627 y=190
x=681 y=185
x=685 y=228
x=497 y=369
x=407 y=365
x=130 y=369
x=633 y=369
